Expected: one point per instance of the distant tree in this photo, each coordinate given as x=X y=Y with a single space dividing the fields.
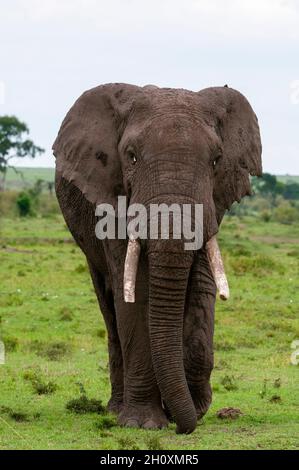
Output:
x=13 y=143
x=268 y=186
x=291 y=191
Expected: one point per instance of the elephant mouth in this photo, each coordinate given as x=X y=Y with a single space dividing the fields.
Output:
x=214 y=257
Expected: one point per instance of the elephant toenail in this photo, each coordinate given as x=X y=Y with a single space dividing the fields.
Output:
x=149 y=424
x=132 y=423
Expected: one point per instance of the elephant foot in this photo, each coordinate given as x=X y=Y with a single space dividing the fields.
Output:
x=146 y=417
x=115 y=406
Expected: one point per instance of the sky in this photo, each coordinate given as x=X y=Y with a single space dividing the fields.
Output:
x=53 y=50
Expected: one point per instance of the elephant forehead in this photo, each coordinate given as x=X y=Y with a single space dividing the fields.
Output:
x=177 y=129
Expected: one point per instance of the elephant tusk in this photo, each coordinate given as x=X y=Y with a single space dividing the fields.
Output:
x=217 y=268
x=130 y=271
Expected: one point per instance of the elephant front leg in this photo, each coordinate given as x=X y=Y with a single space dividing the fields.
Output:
x=198 y=333
x=142 y=400
x=106 y=303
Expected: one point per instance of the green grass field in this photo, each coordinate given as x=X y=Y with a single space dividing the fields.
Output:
x=55 y=338
x=15 y=181
x=30 y=176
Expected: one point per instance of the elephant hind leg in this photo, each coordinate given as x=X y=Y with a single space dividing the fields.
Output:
x=106 y=303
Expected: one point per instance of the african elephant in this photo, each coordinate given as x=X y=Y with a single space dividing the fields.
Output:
x=167 y=146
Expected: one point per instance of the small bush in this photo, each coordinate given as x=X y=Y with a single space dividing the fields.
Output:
x=266 y=216
x=285 y=213
x=101 y=333
x=105 y=422
x=24 y=204
x=84 y=405
x=66 y=314
x=275 y=399
x=126 y=443
x=11 y=343
x=52 y=351
x=39 y=385
x=229 y=383
x=81 y=268
x=153 y=443
x=18 y=416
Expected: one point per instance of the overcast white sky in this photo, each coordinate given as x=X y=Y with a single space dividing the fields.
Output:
x=53 y=50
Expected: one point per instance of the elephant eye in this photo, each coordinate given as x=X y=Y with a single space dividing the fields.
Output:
x=132 y=157
x=216 y=160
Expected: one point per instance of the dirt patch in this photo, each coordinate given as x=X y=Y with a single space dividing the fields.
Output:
x=270 y=239
x=229 y=413
x=15 y=250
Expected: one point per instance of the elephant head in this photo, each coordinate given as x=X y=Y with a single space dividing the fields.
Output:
x=163 y=146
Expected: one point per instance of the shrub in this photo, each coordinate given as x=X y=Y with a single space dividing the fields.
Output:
x=66 y=314
x=11 y=343
x=266 y=216
x=229 y=383
x=52 y=351
x=84 y=405
x=105 y=422
x=18 y=416
x=39 y=386
x=153 y=443
x=285 y=213
x=126 y=443
x=24 y=204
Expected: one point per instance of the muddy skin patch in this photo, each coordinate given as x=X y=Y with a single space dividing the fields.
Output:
x=103 y=157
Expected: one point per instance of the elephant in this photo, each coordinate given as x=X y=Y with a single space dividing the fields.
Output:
x=164 y=146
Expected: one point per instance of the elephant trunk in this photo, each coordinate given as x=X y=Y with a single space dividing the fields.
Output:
x=167 y=292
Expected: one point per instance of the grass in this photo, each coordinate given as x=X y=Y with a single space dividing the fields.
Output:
x=55 y=339
x=31 y=175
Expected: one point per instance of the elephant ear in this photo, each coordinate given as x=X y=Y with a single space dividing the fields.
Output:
x=230 y=115
x=86 y=148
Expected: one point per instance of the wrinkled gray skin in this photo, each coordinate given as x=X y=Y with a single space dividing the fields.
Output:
x=190 y=148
